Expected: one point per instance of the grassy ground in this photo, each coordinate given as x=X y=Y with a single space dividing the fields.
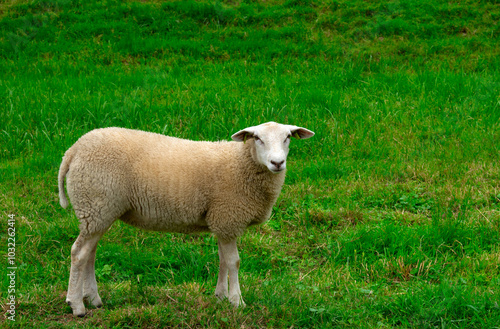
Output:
x=390 y=215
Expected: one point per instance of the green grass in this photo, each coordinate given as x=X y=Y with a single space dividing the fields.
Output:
x=389 y=217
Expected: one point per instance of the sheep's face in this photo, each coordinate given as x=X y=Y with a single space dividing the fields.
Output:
x=271 y=142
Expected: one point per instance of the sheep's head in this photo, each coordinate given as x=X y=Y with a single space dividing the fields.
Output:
x=271 y=142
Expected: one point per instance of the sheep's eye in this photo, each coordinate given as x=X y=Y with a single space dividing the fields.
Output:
x=287 y=139
x=257 y=139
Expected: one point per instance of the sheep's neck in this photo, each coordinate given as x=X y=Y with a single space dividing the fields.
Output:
x=269 y=183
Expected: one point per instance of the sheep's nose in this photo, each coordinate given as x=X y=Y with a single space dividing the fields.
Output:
x=277 y=164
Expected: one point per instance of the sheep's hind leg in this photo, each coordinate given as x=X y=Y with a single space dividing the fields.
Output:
x=231 y=260
x=81 y=254
x=89 y=281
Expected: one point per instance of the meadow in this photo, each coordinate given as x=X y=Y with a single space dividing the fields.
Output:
x=389 y=216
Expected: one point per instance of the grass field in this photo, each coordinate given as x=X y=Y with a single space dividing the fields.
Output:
x=390 y=214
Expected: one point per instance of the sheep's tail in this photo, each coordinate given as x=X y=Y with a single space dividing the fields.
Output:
x=63 y=170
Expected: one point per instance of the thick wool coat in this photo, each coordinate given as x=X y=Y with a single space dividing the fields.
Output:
x=162 y=183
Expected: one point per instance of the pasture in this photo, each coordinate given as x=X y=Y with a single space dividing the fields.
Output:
x=389 y=216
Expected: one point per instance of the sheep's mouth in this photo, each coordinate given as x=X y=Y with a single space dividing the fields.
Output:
x=275 y=170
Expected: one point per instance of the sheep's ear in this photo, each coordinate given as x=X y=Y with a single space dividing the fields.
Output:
x=301 y=133
x=243 y=135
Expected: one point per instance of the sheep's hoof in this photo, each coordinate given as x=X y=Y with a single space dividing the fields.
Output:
x=237 y=301
x=97 y=302
x=78 y=311
x=220 y=297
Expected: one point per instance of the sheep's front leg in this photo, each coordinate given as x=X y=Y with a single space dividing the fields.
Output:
x=229 y=264
x=82 y=250
x=221 y=289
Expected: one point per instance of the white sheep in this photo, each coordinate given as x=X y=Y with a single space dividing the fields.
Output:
x=162 y=183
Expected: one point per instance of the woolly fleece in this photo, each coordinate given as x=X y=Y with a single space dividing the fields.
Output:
x=162 y=183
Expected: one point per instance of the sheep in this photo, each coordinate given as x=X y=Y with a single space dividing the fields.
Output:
x=160 y=183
